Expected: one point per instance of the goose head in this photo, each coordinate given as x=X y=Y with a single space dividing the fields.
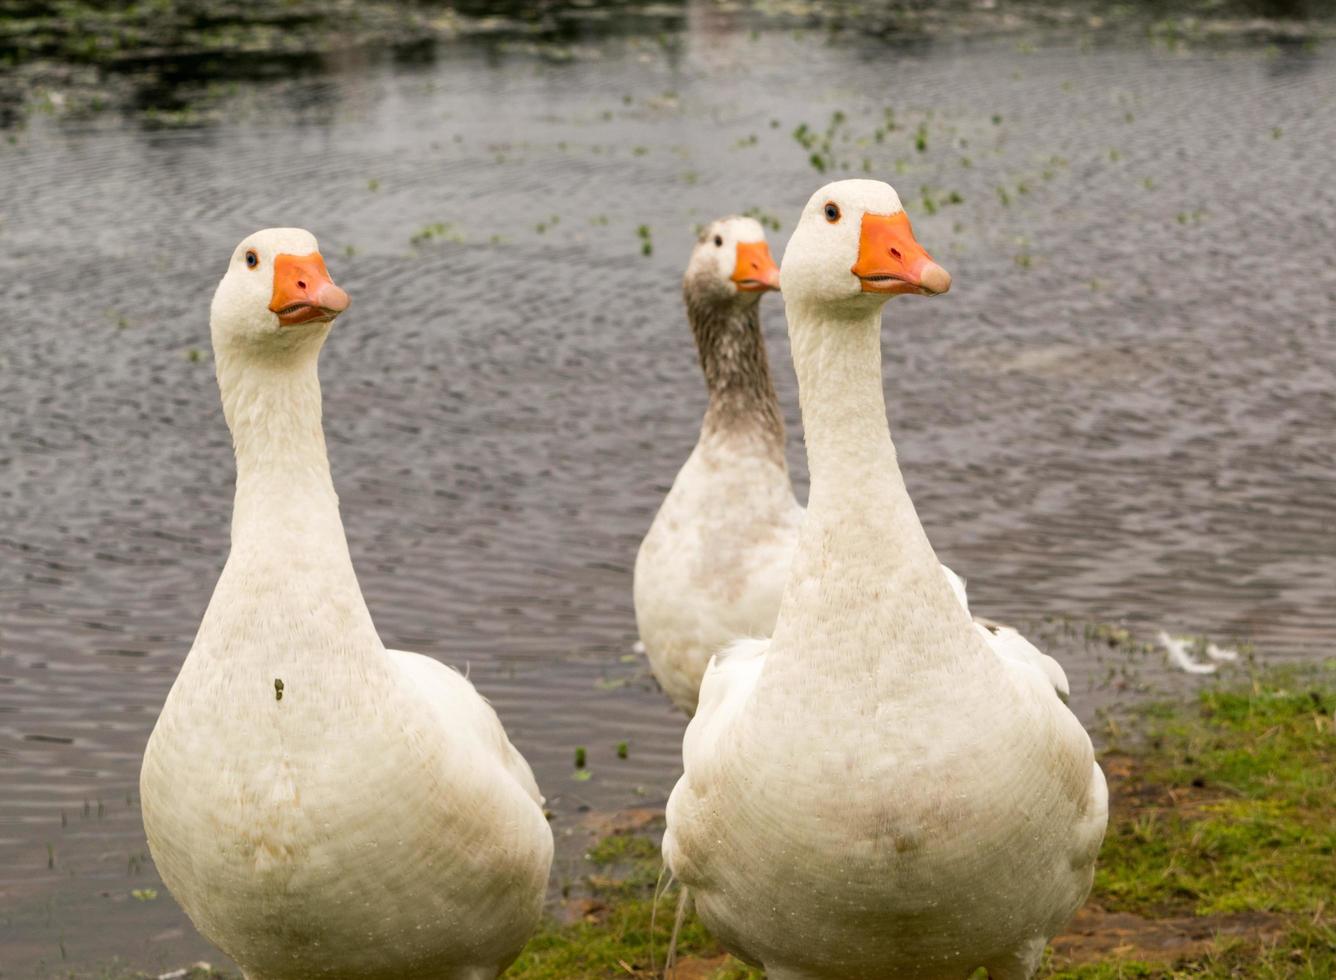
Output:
x=276 y=295
x=854 y=248
x=731 y=263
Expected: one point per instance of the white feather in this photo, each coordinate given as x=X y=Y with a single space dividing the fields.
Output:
x=1176 y=651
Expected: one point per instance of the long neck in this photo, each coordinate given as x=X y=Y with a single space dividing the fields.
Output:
x=865 y=579
x=737 y=372
x=289 y=556
x=273 y=410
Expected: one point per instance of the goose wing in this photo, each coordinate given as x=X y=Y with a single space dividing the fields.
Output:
x=728 y=682
x=1008 y=643
x=724 y=692
x=459 y=701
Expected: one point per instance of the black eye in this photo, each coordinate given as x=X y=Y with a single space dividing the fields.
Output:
x=252 y=260
x=832 y=212
x=719 y=241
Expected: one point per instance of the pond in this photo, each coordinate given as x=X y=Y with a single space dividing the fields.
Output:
x=1121 y=414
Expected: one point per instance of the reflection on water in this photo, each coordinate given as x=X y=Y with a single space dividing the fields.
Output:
x=1121 y=412
x=176 y=62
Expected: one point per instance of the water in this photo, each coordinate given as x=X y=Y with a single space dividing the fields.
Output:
x=1122 y=412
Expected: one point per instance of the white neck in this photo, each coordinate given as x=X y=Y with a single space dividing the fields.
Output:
x=864 y=565
x=289 y=558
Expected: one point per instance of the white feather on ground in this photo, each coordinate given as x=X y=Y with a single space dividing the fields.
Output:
x=1176 y=650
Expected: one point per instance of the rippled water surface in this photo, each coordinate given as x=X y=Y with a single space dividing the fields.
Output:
x=1122 y=412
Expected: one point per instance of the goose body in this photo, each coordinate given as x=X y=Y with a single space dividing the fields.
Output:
x=876 y=793
x=712 y=567
x=321 y=806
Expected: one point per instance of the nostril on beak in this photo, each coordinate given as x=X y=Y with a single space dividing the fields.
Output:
x=301 y=284
x=895 y=252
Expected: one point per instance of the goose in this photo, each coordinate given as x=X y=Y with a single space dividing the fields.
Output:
x=875 y=792
x=321 y=806
x=712 y=567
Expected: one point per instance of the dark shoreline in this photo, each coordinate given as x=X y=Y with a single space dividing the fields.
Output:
x=170 y=63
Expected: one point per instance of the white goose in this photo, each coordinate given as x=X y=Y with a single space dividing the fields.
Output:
x=875 y=793
x=712 y=568
x=713 y=565
x=319 y=805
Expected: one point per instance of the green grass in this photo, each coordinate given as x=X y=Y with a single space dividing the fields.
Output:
x=613 y=937
x=617 y=944
x=1229 y=808
x=1254 y=827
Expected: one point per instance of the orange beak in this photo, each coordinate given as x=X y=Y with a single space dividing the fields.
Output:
x=891 y=261
x=755 y=271
x=303 y=290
